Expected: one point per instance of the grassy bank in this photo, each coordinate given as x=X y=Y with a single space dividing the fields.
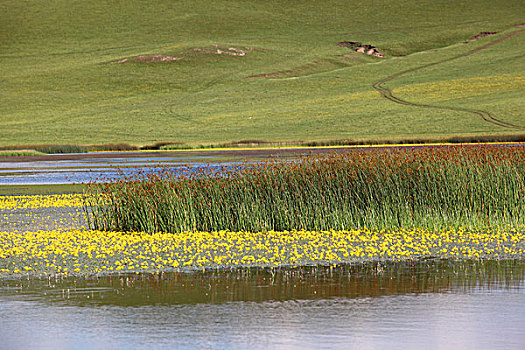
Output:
x=20 y=153
x=61 y=83
x=22 y=150
x=385 y=188
x=518 y=138
x=8 y=151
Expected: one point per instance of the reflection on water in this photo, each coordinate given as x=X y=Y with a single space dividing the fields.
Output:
x=432 y=304
x=263 y=284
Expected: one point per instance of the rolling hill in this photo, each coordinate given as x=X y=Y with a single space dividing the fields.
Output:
x=205 y=72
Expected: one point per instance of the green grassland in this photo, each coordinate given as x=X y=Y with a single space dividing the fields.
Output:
x=58 y=84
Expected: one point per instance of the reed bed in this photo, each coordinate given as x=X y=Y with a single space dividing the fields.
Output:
x=435 y=188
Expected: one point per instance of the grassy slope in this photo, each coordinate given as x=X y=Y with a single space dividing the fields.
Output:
x=56 y=84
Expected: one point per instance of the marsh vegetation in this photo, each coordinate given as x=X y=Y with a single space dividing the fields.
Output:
x=384 y=188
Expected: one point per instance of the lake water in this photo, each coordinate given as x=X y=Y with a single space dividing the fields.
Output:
x=424 y=305
x=82 y=168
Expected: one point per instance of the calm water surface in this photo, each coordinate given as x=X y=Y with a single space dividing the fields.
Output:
x=96 y=167
x=425 y=305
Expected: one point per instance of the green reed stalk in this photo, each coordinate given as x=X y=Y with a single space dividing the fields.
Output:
x=429 y=187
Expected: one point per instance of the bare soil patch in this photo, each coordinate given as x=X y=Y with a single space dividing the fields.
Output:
x=230 y=51
x=149 y=59
x=480 y=35
x=367 y=49
x=156 y=58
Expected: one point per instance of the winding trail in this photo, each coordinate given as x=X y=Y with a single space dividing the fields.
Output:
x=484 y=115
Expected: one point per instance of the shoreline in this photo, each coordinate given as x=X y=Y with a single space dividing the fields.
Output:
x=248 y=151
x=379 y=264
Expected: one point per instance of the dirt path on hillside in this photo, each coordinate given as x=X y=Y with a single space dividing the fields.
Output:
x=484 y=115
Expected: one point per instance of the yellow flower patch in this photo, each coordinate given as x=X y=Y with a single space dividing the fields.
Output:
x=94 y=252
x=40 y=201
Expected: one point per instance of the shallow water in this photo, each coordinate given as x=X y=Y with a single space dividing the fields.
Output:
x=93 y=167
x=431 y=305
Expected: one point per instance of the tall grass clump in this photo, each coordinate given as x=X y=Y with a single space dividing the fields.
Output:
x=385 y=188
x=20 y=153
x=59 y=149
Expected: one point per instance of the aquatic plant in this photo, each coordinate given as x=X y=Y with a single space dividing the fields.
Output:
x=41 y=201
x=383 y=188
x=88 y=252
